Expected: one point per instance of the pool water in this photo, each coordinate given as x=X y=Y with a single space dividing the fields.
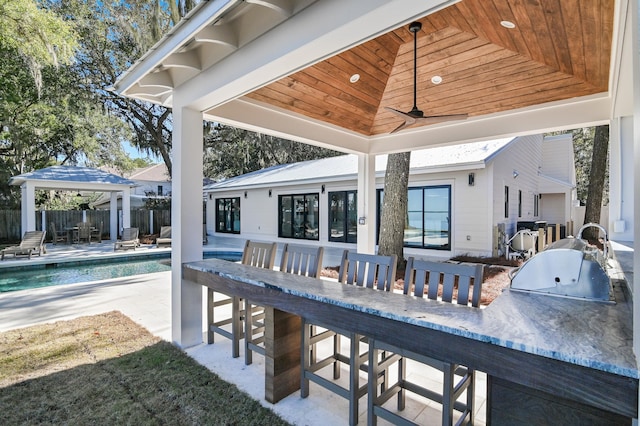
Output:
x=35 y=276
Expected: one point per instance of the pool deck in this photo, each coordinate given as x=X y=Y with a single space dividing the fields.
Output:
x=146 y=300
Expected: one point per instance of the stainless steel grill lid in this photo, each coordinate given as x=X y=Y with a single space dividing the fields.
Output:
x=568 y=268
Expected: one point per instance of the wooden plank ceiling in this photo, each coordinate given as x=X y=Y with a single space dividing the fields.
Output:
x=558 y=50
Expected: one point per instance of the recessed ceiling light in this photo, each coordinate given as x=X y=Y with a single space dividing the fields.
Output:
x=436 y=79
x=508 y=24
x=354 y=78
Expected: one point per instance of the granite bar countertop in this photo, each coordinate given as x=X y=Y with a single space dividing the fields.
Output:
x=590 y=334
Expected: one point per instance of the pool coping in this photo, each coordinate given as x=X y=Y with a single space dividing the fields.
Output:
x=98 y=257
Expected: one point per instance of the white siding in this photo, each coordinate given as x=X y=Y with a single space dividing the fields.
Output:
x=524 y=157
x=557 y=158
x=476 y=209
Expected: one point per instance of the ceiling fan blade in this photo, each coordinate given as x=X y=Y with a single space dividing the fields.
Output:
x=400 y=113
x=440 y=119
x=402 y=126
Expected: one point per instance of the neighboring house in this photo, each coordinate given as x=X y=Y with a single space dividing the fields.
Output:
x=151 y=181
x=458 y=196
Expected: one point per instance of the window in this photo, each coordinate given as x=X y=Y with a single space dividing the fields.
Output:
x=428 y=217
x=506 y=201
x=160 y=189
x=228 y=215
x=535 y=205
x=519 y=203
x=298 y=216
x=343 y=216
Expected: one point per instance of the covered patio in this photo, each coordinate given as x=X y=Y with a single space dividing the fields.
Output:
x=72 y=178
x=324 y=73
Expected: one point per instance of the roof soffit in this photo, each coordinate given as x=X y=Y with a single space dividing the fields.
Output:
x=557 y=58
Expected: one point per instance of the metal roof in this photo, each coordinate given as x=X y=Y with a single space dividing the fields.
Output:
x=346 y=166
x=72 y=174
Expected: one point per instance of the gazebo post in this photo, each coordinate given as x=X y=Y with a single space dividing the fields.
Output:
x=366 y=203
x=186 y=225
x=113 y=216
x=28 y=207
x=126 y=208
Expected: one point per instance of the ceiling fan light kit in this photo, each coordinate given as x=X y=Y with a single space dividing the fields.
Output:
x=416 y=117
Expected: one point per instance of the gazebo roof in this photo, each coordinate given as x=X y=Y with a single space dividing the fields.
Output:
x=73 y=177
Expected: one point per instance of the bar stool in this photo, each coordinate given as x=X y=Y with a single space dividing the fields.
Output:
x=438 y=278
x=261 y=255
x=364 y=270
x=298 y=260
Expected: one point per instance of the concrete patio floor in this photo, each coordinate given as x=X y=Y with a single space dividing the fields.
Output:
x=146 y=300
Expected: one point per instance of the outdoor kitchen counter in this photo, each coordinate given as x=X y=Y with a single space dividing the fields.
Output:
x=571 y=351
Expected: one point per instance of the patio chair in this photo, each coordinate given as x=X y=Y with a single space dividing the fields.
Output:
x=57 y=236
x=32 y=243
x=261 y=255
x=164 y=239
x=128 y=240
x=431 y=278
x=364 y=270
x=522 y=245
x=298 y=260
x=83 y=233
x=96 y=232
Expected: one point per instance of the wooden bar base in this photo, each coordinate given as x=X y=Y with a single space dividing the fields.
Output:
x=282 y=347
x=511 y=404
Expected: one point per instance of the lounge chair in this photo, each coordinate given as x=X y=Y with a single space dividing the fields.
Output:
x=164 y=240
x=128 y=240
x=32 y=243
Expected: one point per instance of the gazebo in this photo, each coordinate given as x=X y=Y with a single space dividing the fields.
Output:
x=341 y=75
x=72 y=178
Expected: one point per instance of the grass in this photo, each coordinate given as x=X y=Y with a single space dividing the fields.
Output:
x=106 y=369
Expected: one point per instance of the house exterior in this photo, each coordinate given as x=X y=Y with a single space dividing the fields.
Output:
x=151 y=181
x=458 y=196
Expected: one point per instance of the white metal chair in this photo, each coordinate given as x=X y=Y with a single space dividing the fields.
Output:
x=364 y=270
x=298 y=260
x=439 y=282
x=261 y=255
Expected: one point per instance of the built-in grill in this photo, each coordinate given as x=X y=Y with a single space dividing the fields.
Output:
x=570 y=267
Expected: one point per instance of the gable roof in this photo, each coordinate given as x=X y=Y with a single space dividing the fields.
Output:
x=454 y=157
x=155 y=172
x=71 y=174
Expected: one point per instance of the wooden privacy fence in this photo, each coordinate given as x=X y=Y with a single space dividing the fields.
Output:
x=147 y=221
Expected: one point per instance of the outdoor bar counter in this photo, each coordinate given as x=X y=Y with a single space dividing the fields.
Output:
x=548 y=359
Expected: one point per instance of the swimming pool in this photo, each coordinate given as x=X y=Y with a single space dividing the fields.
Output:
x=35 y=276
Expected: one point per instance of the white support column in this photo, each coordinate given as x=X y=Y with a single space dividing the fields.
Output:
x=186 y=225
x=113 y=216
x=151 y=222
x=635 y=41
x=28 y=207
x=43 y=220
x=126 y=208
x=366 y=203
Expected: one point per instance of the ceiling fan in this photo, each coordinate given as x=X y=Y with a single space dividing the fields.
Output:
x=416 y=117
